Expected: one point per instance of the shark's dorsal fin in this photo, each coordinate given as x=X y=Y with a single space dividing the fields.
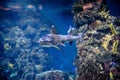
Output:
x=53 y=30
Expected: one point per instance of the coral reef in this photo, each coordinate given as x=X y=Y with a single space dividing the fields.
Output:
x=24 y=59
x=21 y=56
x=98 y=56
x=53 y=75
x=100 y=44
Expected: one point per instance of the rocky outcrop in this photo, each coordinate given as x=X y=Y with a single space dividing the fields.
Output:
x=53 y=75
x=100 y=45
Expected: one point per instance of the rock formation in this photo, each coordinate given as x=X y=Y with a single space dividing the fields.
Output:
x=100 y=47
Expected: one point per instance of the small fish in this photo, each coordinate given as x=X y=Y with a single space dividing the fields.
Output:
x=53 y=39
x=13 y=74
x=10 y=65
x=7 y=46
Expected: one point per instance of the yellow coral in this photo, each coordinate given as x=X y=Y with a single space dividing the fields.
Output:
x=104 y=14
x=115 y=45
x=111 y=76
x=116 y=42
x=108 y=37
x=114 y=32
x=10 y=65
x=106 y=41
x=7 y=46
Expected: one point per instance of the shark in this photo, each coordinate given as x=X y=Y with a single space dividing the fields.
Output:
x=54 y=40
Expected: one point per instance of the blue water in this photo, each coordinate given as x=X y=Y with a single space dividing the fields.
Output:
x=114 y=7
x=58 y=14
x=62 y=18
x=53 y=12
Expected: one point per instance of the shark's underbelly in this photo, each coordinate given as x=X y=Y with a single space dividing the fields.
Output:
x=63 y=38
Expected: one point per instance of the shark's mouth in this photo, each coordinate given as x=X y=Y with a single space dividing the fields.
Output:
x=46 y=43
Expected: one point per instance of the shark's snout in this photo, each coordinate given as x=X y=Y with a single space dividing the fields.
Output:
x=44 y=40
x=40 y=41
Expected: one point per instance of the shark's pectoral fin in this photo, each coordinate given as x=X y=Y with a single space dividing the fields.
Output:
x=56 y=47
x=62 y=44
